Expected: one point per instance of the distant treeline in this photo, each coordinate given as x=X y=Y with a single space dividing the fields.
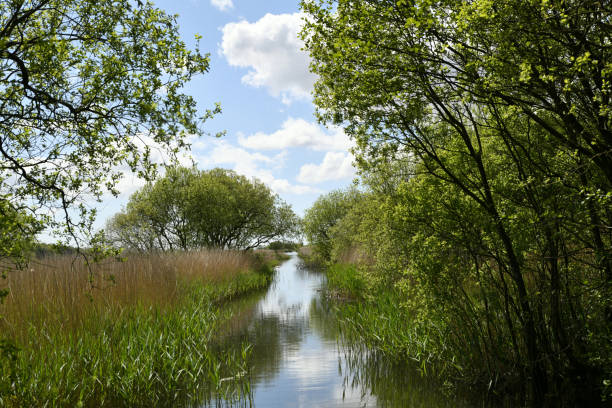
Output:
x=42 y=250
x=284 y=245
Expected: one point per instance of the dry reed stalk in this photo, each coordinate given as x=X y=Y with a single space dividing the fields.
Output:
x=305 y=251
x=355 y=256
x=268 y=255
x=62 y=290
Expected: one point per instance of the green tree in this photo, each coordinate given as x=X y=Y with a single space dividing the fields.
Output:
x=505 y=107
x=190 y=208
x=85 y=88
x=324 y=214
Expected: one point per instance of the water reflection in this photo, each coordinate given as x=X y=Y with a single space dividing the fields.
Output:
x=296 y=360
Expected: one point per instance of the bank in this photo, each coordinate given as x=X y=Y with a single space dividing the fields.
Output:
x=137 y=332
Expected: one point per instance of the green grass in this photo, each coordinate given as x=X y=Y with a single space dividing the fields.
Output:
x=383 y=326
x=346 y=281
x=382 y=320
x=379 y=320
x=310 y=258
x=149 y=349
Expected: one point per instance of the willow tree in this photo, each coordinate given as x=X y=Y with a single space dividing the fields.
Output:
x=86 y=89
x=459 y=85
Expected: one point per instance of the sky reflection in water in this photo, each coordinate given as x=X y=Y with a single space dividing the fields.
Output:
x=296 y=361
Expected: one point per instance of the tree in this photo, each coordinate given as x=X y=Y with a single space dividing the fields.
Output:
x=324 y=214
x=190 y=208
x=87 y=88
x=506 y=105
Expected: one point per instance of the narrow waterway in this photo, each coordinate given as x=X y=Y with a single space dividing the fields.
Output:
x=297 y=360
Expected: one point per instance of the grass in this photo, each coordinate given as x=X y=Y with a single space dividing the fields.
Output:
x=136 y=333
x=381 y=322
x=309 y=257
x=345 y=281
x=273 y=256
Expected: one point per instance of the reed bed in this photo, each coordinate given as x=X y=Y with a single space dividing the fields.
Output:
x=64 y=289
x=135 y=332
x=309 y=257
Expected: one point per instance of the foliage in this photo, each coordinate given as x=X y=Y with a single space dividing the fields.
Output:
x=283 y=245
x=17 y=231
x=149 y=338
x=491 y=122
x=346 y=281
x=87 y=89
x=190 y=208
x=41 y=250
x=323 y=215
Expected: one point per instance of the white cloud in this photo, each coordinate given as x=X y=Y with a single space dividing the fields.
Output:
x=298 y=133
x=222 y=5
x=159 y=153
x=284 y=186
x=129 y=183
x=270 y=47
x=249 y=164
x=245 y=162
x=335 y=166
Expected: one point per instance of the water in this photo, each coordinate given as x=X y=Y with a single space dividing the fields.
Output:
x=298 y=362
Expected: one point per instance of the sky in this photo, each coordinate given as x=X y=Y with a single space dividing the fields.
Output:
x=260 y=75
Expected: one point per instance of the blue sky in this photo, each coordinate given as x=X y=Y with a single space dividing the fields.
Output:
x=260 y=76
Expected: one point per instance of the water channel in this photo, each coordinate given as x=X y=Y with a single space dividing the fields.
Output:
x=298 y=361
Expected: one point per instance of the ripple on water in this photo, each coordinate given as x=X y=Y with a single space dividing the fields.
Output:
x=296 y=360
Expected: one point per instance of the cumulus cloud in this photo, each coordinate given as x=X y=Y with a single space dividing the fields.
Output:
x=270 y=47
x=222 y=5
x=335 y=166
x=249 y=164
x=284 y=186
x=298 y=133
x=158 y=154
x=128 y=184
x=244 y=162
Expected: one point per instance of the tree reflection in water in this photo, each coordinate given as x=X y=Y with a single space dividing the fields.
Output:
x=297 y=358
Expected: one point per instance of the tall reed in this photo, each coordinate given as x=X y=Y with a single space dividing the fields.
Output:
x=136 y=332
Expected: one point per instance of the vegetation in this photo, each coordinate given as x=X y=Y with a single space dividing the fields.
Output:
x=489 y=125
x=87 y=89
x=327 y=210
x=479 y=244
x=139 y=332
x=284 y=246
x=190 y=208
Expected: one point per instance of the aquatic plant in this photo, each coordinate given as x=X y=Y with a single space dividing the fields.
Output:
x=142 y=332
